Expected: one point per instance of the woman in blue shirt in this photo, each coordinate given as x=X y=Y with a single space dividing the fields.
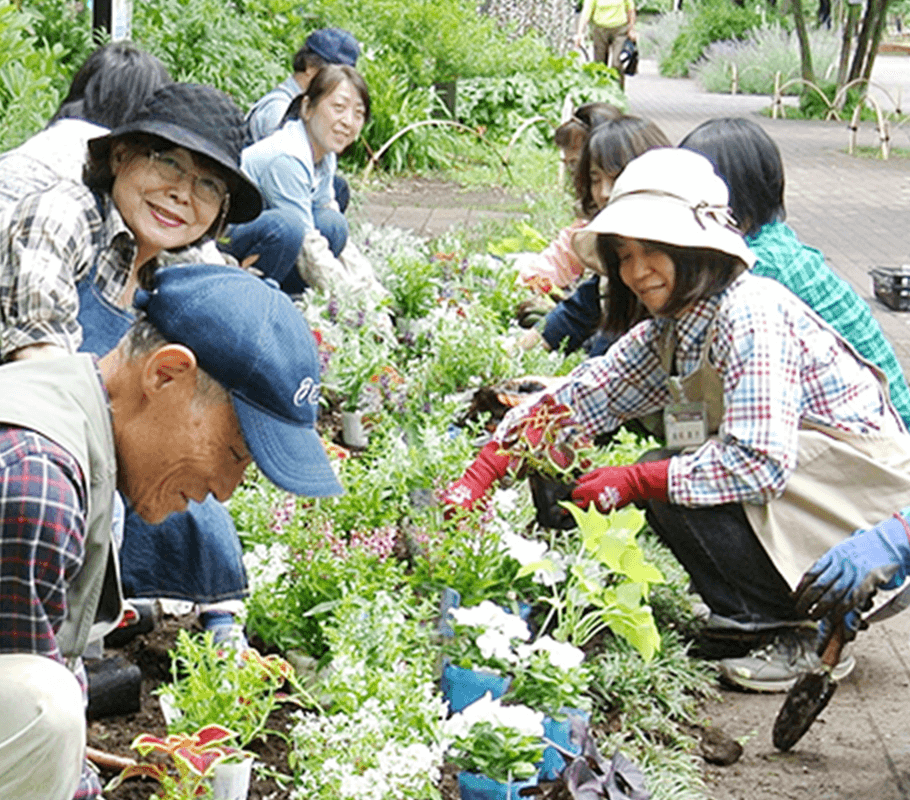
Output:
x=294 y=170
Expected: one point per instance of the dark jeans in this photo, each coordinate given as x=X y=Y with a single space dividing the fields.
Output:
x=727 y=564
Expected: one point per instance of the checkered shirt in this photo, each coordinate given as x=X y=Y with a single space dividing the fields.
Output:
x=780 y=365
x=42 y=527
x=48 y=242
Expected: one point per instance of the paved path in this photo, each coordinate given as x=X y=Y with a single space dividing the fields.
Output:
x=856 y=211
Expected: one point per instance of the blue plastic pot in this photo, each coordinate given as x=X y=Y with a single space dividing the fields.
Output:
x=472 y=786
x=461 y=687
x=560 y=732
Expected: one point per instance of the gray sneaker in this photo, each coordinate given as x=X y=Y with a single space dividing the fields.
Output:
x=774 y=667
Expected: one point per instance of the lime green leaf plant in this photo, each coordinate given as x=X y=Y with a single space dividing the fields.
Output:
x=607 y=583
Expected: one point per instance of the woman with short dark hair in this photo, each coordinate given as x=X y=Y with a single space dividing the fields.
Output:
x=294 y=169
x=749 y=161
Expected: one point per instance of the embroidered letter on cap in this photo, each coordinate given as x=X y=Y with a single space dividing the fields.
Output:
x=306 y=385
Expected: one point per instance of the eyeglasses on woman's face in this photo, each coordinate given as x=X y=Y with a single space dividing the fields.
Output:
x=206 y=186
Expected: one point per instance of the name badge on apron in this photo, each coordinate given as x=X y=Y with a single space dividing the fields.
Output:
x=685 y=425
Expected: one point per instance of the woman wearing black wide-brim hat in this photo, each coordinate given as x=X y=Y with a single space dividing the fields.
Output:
x=164 y=180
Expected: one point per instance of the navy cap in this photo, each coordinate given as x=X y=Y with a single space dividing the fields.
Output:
x=334 y=45
x=248 y=335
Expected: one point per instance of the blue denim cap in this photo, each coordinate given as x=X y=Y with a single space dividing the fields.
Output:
x=334 y=45
x=248 y=335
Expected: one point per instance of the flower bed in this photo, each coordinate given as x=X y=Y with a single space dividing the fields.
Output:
x=349 y=589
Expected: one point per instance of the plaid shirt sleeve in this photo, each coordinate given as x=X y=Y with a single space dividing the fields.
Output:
x=42 y=522
x=48 y=242
x=780 y=366
x=603 y=392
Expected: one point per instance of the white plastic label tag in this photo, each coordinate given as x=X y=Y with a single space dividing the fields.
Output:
x=685 y=425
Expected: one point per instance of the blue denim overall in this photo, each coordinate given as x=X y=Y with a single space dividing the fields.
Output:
x=194 y=555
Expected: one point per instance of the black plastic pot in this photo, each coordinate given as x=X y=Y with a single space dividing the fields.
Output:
x=114 y=687
x=547 y=494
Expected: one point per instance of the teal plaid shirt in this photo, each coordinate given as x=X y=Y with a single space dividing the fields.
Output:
x=803 y=271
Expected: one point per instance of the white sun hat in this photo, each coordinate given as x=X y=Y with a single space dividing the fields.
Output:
x=672 y=196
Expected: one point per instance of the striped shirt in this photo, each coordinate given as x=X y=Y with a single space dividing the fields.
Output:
x=780 y=364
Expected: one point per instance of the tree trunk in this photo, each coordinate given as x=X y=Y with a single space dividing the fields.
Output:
x=805 y=53
x=876 y=39
x=847 y=42
x=862 y=42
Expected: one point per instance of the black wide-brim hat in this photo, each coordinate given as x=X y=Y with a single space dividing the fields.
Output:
x=201 y=119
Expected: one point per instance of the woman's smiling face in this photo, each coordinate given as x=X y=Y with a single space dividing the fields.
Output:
x=335 y=121
x=163 y=213
x=650 y=273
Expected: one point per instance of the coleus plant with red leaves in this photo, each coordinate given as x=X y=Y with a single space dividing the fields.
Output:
x=192 y=760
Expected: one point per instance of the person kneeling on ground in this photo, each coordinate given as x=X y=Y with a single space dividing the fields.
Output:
x=795 y=426
x=192 y=394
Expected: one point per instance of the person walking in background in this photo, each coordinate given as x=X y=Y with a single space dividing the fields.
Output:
x=612 y=22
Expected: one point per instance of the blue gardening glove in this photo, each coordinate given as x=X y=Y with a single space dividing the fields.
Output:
x=843 y=582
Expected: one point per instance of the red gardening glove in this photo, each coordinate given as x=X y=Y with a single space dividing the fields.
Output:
x=489 y=467
x=615 y=487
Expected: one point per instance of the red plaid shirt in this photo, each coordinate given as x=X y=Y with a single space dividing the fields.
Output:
x=42 y=526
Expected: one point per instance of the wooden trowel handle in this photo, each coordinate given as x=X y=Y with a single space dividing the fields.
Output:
x=831 y=654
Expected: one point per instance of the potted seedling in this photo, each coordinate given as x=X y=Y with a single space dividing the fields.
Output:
x=184 y=764
x=497 y=747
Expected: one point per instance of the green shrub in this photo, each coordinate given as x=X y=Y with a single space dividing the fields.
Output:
x=212 y=42
x=500 y=105
x=68 y=24
x=30 y=78
x=712 y=21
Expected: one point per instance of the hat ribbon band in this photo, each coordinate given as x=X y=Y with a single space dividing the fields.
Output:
x=702 y=210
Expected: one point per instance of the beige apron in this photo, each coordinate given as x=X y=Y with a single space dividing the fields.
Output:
x=842 y=481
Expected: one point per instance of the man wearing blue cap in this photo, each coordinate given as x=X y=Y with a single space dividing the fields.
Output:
x=194 y=393
x=325 y=46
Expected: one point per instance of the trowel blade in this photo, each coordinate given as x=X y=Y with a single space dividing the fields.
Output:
x=805 y=701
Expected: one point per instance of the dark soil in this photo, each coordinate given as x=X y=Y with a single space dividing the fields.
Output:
x=114 y=734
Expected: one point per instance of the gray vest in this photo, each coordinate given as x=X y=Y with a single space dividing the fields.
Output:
x=63 y=399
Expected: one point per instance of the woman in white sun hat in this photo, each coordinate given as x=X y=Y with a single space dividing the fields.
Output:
x=781 y=440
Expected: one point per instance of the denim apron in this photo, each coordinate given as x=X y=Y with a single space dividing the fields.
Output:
x=194 y=555
x=842 y=481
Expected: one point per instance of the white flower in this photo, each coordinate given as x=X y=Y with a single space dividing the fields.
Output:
x=562 y=655
x=505 y=501
x=520 y=718
x=524 y=551
x=493 y=645
x=489 y=616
